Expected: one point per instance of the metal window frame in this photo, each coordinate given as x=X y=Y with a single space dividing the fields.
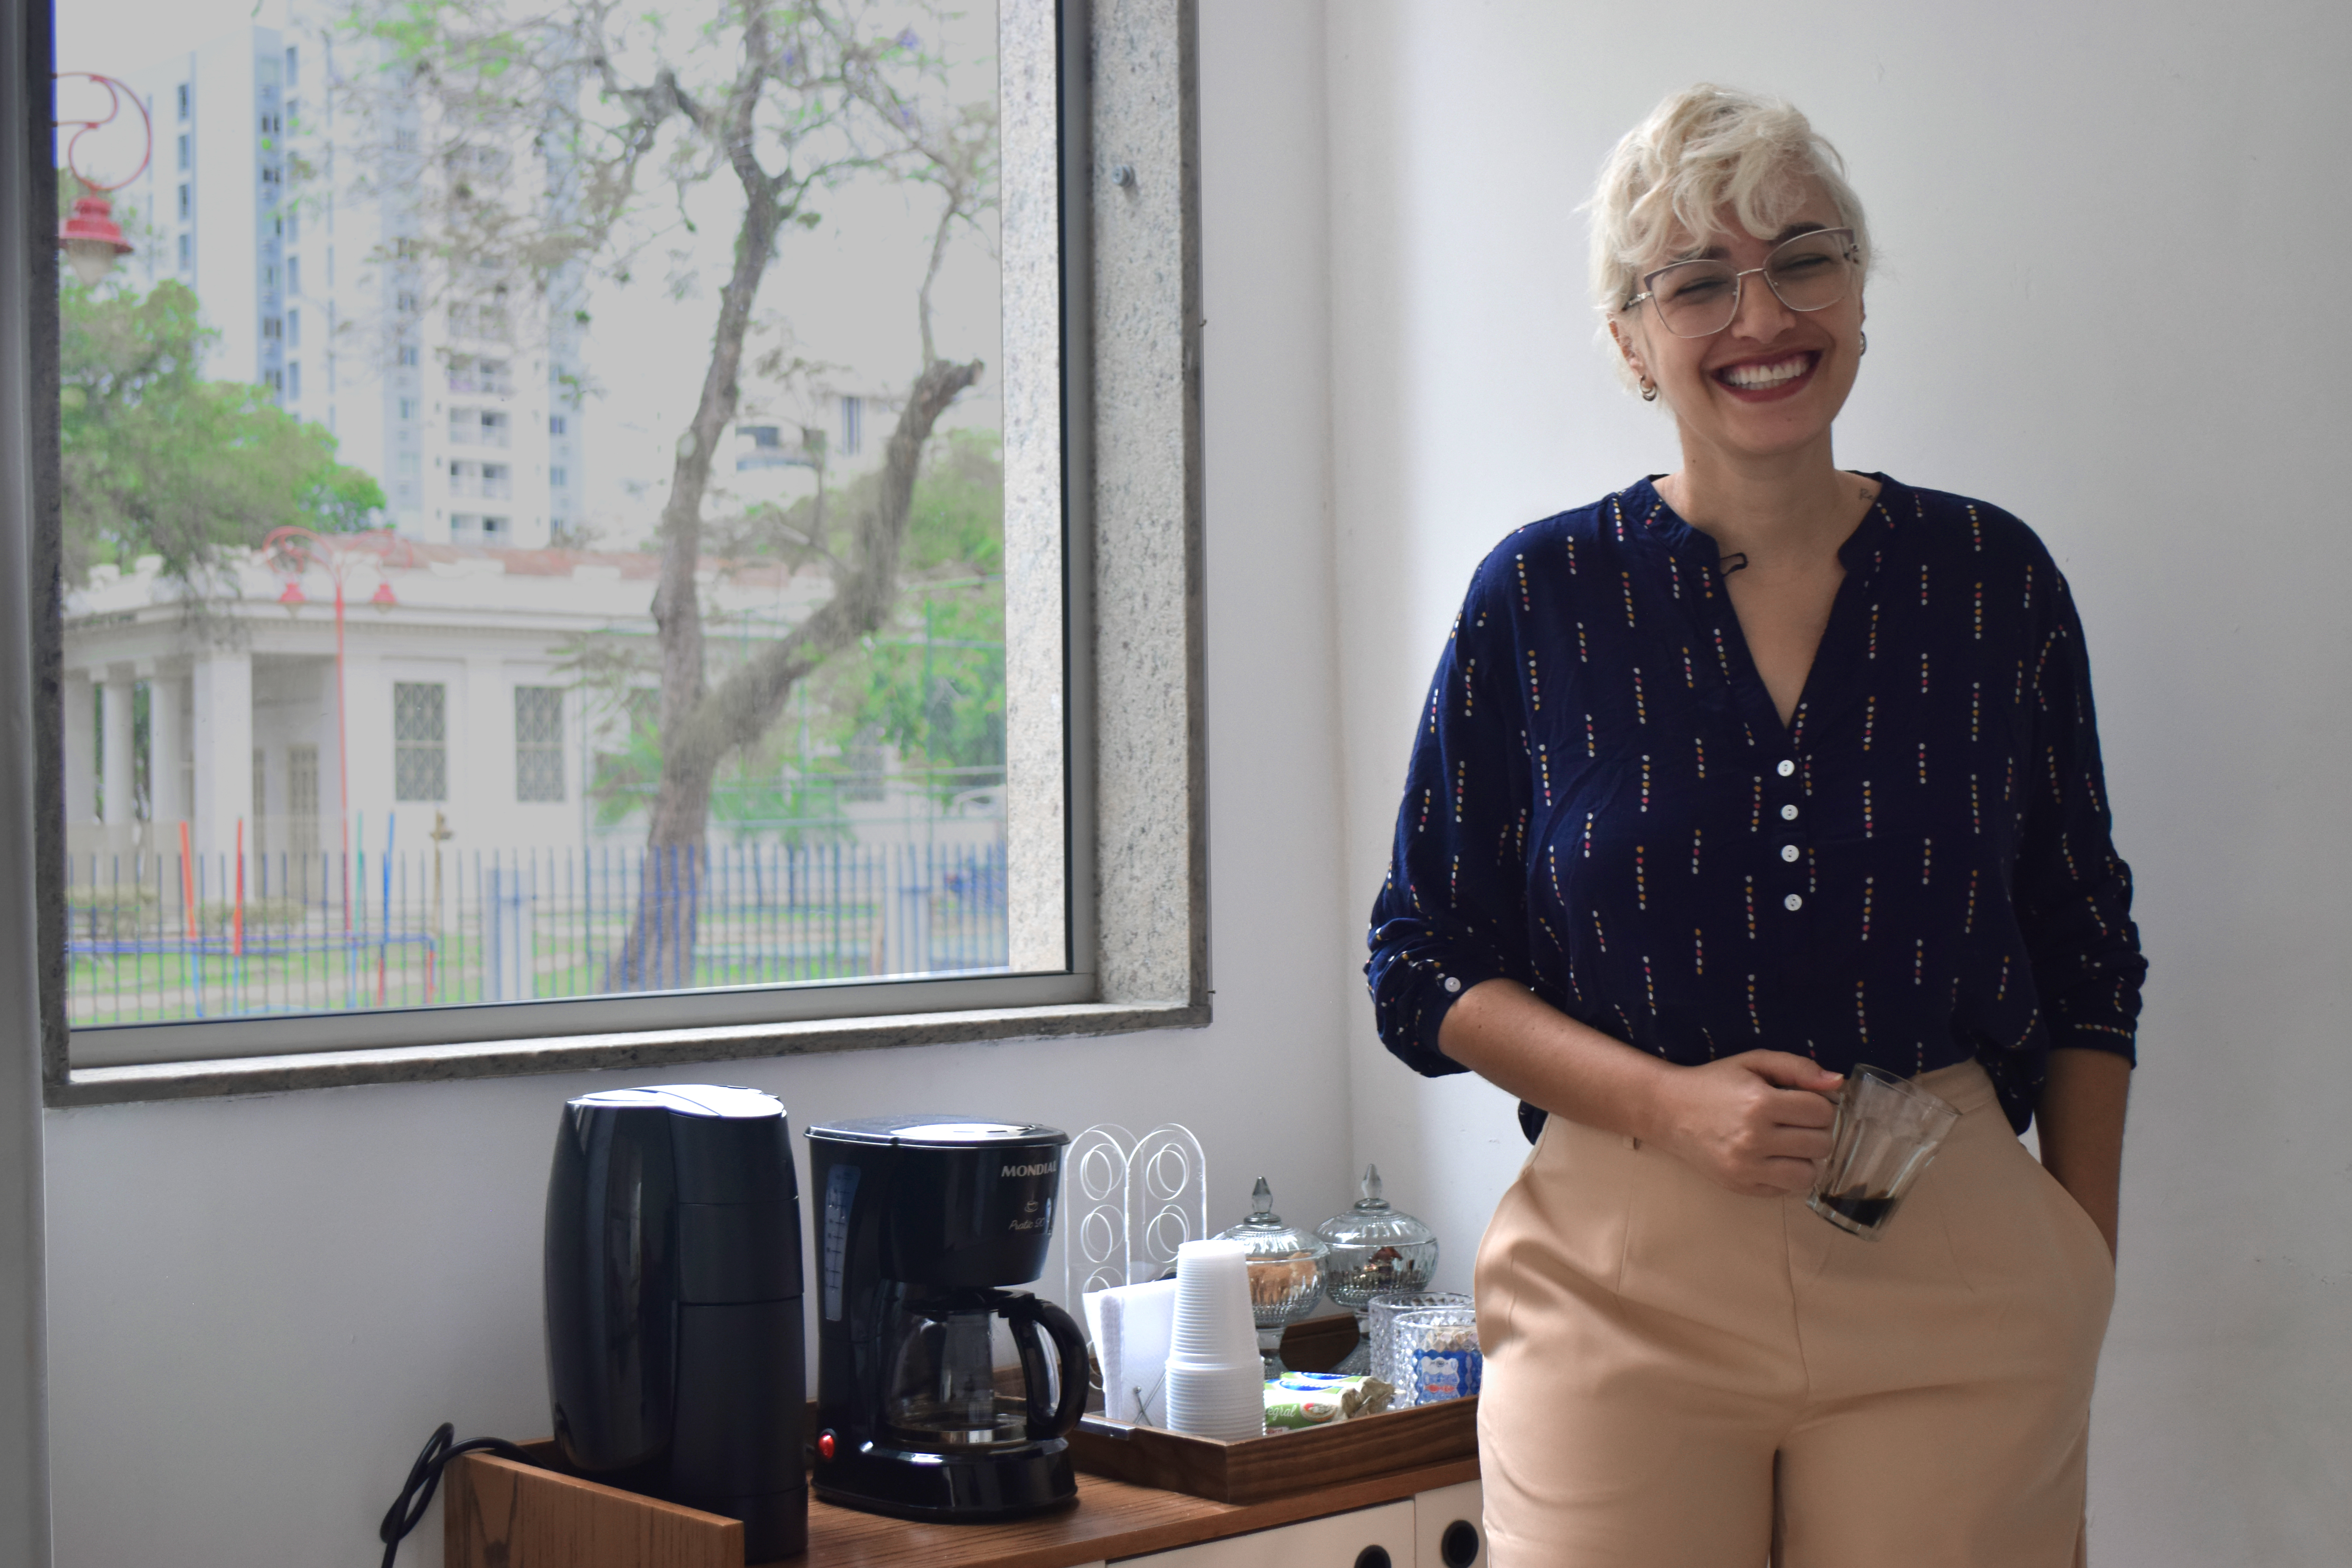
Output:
x=646 y=1030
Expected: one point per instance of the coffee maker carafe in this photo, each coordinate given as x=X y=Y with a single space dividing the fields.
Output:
x=941 y=1394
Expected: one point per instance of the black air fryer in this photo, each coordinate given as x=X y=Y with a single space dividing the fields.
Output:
x=674 y=1322
x=918 y=1413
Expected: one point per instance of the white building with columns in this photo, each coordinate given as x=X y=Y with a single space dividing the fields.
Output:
x=456 y=701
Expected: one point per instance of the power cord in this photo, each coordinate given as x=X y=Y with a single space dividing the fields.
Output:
x=424 y=1478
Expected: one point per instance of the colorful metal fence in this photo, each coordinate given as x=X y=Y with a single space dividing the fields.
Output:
x=165 y=938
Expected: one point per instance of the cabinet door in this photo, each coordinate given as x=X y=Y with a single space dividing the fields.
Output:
x=1447 y=1528
x=1379 y=1537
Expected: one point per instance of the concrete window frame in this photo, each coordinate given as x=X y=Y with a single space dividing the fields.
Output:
x=1129 y=689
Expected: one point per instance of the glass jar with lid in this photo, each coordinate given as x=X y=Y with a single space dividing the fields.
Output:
x=1375 y=1248
x=1285 y=1272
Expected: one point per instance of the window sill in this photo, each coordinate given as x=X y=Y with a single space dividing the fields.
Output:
x=584 y=1053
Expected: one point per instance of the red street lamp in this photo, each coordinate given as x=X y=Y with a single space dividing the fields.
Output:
x=295 y=550
x=90 y=239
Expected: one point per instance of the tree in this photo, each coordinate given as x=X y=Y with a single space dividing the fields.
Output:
x=778 y=103
x=158 y=461
x=932 y=680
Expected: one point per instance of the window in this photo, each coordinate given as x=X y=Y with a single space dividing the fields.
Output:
x=187 y=198
x=293 y=263
x=293 y=67
x=184 y=146
x=539 y=743
x=407 y=408
x=294 y=378
x=273 y=327
x=952 y=764
x=420 y=750
x=555 y=475
x=187 y=253
x=184 y=109
x=293 y=328
x=302 y=799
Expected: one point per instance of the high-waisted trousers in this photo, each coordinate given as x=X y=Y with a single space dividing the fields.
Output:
x=1678 y=1376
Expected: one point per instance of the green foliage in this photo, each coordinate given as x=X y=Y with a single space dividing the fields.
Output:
x=158 y=461
x=932 y=684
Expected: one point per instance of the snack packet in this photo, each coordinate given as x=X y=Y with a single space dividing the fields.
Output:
x=1299 y=1400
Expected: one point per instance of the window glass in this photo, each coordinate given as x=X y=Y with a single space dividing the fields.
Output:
x=420 y=740
x=539 y=743
x=798 y=770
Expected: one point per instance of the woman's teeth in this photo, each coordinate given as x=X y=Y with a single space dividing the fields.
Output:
x=1758 y=378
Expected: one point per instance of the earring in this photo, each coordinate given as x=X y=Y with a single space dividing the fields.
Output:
x=1649 y=392
x=1866 y=343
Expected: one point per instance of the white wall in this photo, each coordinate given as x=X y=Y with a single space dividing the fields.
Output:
x=2090 y=215
x=261 y=1307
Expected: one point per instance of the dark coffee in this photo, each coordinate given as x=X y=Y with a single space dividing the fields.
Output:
x=1859 y=1207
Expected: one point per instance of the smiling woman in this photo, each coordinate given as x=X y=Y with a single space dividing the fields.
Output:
x=1729 y=784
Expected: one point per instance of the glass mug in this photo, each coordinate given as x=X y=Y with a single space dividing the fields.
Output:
x=1886 y=1131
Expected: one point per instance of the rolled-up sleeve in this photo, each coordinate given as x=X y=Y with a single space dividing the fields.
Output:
x=1454 y=909
x=2073 y=893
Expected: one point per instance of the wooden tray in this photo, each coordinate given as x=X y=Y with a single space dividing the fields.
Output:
x=1260 y=1468
x=1280 y=1465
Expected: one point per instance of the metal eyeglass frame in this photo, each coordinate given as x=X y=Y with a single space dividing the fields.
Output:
x=1851 y=252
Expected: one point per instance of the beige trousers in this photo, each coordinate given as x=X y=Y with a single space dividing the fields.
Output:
x=1680 y=1377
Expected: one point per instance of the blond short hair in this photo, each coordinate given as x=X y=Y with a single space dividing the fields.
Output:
x=1702 y=149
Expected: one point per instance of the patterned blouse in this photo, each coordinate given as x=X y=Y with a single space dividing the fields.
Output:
x=1605 y=805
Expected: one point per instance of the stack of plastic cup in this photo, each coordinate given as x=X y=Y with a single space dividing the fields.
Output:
x=1216 y=1384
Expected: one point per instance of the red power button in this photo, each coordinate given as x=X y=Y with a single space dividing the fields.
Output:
x=824 y=1446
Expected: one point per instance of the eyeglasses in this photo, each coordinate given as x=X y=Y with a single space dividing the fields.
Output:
x=1699 y=299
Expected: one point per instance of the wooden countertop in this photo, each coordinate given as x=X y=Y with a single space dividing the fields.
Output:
x=500 y=1512
x=1112 y=1520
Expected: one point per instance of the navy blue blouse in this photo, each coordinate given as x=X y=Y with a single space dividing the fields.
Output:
x=1604 y=807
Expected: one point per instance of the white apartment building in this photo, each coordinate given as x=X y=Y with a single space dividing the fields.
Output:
x=464 y=409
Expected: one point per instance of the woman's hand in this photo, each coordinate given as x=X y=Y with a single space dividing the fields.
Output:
x=1758 y=1123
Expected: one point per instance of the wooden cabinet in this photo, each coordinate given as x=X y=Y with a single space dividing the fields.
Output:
x=1437 y=1528
x=1379 y=1537
x=1448 y=1531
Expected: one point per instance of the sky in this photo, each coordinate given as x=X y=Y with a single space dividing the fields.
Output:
x=847 y=288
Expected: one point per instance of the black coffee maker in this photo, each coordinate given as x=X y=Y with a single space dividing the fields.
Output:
x=918 y=1414
x=674 y=1329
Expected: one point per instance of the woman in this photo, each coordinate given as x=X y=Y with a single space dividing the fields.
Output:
x=1727 y=782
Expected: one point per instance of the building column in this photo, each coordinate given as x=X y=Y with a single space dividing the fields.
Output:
x=116 y=808
x=167 y=751
x=224 y=748
x=81 y=750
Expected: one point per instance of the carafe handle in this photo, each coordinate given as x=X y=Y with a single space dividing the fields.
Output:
x=1025 y=1313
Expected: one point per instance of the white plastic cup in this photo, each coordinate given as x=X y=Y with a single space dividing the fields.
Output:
x=1223 y=1403
x=1215 y=1325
